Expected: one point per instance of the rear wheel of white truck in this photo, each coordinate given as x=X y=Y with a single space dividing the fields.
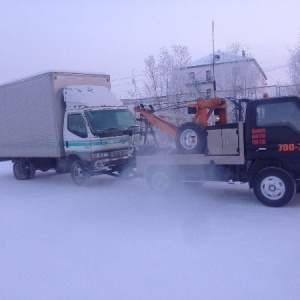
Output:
x=79 y=174
x=31 y=170
x=20 y=170
x=274 y=187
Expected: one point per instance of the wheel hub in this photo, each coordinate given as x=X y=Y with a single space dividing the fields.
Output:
x=273 y=187
x=161 y=181
x=78 y=172
x=188 y=139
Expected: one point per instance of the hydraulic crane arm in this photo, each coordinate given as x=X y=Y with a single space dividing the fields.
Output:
x=203 y=110
x=165 y=126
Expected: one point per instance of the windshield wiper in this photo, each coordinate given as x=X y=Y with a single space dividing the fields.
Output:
x=107 y=130
x=129 y=130
x=110 y=129
x=132 y=127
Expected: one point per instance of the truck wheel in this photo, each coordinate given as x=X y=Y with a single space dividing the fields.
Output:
x=191 y=138
x=21 y=172
x=274 y=187
x=160 y=180
x=79 y=174
x=31 y=171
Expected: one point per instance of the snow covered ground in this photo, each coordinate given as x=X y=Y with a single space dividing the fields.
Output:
x=114 y=240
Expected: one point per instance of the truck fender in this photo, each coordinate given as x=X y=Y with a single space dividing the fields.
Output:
x=259 y=165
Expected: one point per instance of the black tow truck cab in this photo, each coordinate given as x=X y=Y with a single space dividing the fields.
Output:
x=272 y=131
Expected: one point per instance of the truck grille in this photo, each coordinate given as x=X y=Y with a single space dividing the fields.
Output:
x=118 y=153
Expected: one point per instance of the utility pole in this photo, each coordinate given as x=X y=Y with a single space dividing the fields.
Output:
x=134 y=83
x=213 y=59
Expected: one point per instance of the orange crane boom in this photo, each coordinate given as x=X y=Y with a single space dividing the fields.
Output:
x=203 y=110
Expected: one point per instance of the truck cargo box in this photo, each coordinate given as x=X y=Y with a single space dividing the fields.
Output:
x=32 y=112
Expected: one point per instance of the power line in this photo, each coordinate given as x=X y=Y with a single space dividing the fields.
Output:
x=280 y=67
x=128 y=77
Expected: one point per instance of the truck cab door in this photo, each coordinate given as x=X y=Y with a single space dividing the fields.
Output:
x=76 y=136
x=274 y=130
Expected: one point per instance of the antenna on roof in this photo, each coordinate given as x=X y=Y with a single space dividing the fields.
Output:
x=213 y=58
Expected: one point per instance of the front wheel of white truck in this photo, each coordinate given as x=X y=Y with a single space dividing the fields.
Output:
x=79 y=174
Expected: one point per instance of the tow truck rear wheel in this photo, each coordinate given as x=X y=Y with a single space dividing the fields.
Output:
x=79 y=174
x=274 y=187
x=191 y=138
x=161 y=180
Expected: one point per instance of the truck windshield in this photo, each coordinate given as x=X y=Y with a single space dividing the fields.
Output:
x=101 y=120
x=279 y=114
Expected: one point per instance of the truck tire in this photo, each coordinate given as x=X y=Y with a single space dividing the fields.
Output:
x=191 y=138
x=20 y=170
x=274 y=187
x=79 y=174
x=161 y=180
x=31 y=171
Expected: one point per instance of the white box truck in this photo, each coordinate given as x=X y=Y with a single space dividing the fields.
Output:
x=70 y=122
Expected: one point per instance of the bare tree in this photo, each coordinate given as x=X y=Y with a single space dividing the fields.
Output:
x=237 y=48
x=294 y=65
x=165 y=80
x=151 y=71
x=163 y=76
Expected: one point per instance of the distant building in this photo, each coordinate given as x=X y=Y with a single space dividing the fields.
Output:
x=233 y=75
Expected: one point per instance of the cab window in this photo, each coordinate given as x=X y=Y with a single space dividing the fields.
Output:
x=77 y=126
x=278 y=114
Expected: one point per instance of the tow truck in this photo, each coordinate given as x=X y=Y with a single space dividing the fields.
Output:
x=262 y=148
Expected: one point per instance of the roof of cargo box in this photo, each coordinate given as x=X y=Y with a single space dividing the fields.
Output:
x=91 y=96
x=53 y=73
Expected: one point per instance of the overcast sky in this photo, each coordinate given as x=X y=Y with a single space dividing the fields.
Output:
x=116 y=36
